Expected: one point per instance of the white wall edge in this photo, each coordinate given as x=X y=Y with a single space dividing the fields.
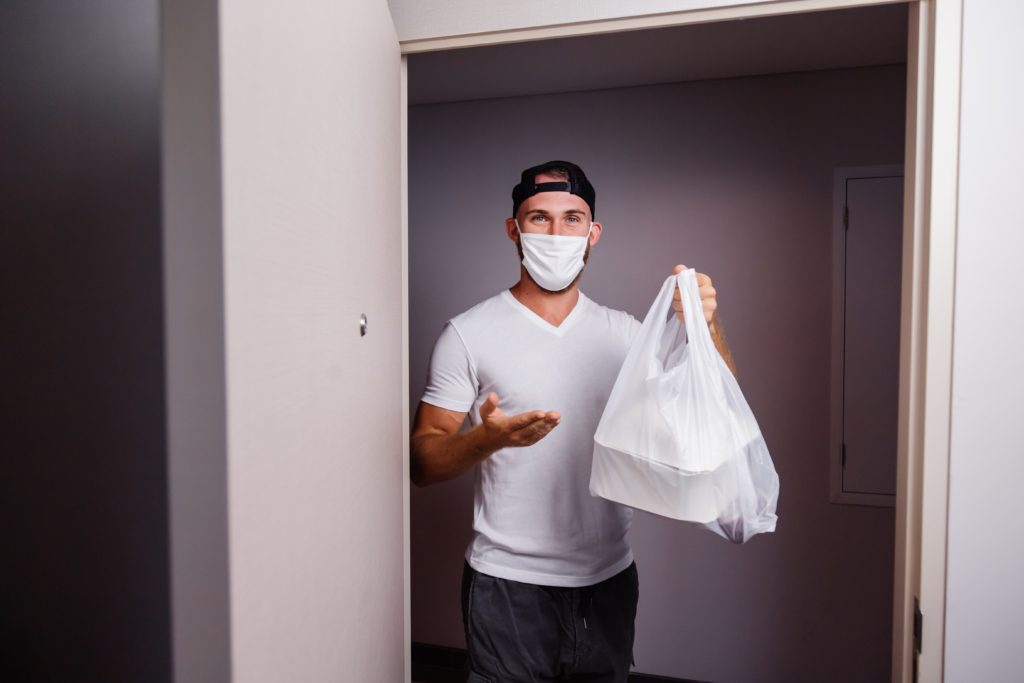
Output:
x=941 y=272
x=406 y=509
x=698 y=16
x=194 y=337
x=907 y=571
x=930 y=215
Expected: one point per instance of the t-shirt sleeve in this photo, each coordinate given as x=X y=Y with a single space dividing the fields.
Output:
x=451 y=378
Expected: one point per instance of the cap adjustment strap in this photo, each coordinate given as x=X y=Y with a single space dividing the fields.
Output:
x=549 y=187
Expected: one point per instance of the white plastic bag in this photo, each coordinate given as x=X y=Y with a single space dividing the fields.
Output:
x=677 y=437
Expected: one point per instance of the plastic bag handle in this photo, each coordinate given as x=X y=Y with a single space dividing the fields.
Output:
x=660 y=310
x=698 y=333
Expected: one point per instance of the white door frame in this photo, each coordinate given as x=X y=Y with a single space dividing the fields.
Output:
x=406 y=509
x=926 y=329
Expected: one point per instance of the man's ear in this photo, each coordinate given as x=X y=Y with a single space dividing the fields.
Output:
x=510 y=228
x=595 y=233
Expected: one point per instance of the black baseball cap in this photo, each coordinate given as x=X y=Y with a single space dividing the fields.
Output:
x=577 y=184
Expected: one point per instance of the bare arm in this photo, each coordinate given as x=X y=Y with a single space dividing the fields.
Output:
x=718 y=336
x=710 y=306
x=439 y=451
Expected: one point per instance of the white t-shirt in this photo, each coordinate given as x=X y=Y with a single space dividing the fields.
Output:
x=534 y=519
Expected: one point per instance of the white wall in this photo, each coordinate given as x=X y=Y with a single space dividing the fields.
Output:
x=311 y=139
x=416 y=19
x=985 y=600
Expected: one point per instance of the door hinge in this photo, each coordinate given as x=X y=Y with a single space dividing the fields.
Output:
x=846 y=218
x=844 y=456
x=918 y=623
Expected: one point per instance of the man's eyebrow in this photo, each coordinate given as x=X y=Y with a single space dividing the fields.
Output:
x=567 y=212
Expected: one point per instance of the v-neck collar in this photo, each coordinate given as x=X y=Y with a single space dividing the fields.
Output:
x=540 y=322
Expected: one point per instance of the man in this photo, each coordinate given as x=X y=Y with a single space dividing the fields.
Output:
x=550 y=587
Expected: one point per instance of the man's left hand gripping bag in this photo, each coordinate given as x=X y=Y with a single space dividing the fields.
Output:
x=677 y=438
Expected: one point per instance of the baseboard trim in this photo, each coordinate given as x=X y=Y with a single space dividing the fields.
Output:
x=439 y=664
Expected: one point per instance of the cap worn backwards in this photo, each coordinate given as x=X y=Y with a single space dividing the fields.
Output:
x=577 y=184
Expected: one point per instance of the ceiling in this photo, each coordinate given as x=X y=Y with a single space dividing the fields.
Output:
x=835 y=39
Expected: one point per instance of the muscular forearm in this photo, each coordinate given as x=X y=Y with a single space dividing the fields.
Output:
x=438 y=451
x=438 y=457
x=718 y=336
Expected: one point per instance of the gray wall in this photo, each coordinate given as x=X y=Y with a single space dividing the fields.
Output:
x=985 y=603
x=83 y=508
x=193 y=262
x=733 y=177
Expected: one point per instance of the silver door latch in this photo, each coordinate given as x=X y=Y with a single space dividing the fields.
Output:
x=362 y=325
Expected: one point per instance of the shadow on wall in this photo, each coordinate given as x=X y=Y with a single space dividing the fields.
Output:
x=84 y=585
x=733 y=177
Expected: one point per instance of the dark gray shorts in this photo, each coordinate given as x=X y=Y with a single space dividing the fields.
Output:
x=522 y=633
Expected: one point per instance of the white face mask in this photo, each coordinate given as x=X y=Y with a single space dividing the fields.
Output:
x=553 y=261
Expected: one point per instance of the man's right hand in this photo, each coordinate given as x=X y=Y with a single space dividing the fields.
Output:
x=524 y=429
x=440 y=451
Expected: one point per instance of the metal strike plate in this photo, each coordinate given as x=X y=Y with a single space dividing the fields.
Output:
x=362 y=325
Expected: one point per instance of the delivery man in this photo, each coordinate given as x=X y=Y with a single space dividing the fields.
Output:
x=549 y=589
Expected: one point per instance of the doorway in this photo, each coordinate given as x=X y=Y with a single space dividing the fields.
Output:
x=733 y=160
